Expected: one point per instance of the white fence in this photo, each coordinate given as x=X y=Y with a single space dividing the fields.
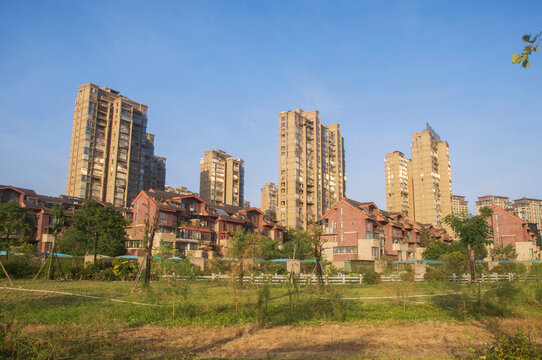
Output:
x=343 y=279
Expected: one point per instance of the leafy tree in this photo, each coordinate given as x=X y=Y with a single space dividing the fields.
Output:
x=435 y=251
x=297 y=245
x=95 y=229
x=15 y=225
x=317 y=245
x=244 y=246
x=427 y=239
x=504 y=253
x=59 y=224
x=474 y=232
x=268 y=249
x=533 y=46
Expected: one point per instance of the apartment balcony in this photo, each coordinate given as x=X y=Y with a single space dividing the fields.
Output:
x=374 y=235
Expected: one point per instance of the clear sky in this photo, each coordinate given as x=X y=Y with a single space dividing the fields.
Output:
x=215 y=75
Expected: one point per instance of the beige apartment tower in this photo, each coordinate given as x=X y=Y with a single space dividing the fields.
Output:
x=221 y=178
x=501 y=201
x=269 y=199
x=397 y=185
x=529 y=210
x=459 y=205
x=112 y=156
x=428 y=190
x=311 y=168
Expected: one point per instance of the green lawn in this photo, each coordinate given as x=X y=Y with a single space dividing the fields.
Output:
x=52 y=325
x=220 y=303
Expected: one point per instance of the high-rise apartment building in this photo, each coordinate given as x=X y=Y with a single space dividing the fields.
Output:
x=269 y=199
x=112 y=156
x=311 y=168
x=459 y=205
x=427 y=189
x=221 y=178
x=487 y=200
x=397 y=185
x=530 y=211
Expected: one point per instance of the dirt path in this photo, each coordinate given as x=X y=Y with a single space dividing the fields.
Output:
x=417 y=340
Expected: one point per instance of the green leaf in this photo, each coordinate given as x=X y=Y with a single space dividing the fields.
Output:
x=526 y=38
x=526 y=63
x=516 y=58
x=528 y=50
x=537 y=47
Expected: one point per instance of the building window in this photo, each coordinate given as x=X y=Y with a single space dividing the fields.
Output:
x=341 y=224
x=374 y=251
x=341 y=209
x=162 y=217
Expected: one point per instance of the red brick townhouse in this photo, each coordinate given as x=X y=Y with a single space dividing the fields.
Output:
x=38 y=206
x=508 y=229
x=190 y=223
x=356 y=231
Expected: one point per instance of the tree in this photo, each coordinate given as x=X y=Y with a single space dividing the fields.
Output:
x=244 y=246
x=297 y=245
x=59 y=224
x=15 y=225
x=504 y=253
x=317 y=244
x=474 y=233
x=268 y=249
x=435 y=251
x=95 y=229
x=533 y=46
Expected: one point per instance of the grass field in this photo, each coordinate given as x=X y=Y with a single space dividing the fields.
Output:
x=43 y=323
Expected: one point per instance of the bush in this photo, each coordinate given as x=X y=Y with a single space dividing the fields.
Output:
x=518 y=346
x=436 y=273
x=108 y=275
x=371 y=278
x=514 y=268
x=535 y=269
x=20 y=267
x=123 y=268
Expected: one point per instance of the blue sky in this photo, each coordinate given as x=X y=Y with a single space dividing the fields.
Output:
x=215 y=75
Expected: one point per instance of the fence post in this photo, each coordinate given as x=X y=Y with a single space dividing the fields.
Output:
x=327 y=279
x=510 y=276
x=344 y=279
x=212 y=276
x=454 y=277
x=361 y=278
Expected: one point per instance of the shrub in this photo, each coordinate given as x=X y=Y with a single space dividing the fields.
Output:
x=20 y=267
x=436 y=273
x=518 y=346
x=108 y=275
x=505 y=268
x=123 y=268
x=371 y=278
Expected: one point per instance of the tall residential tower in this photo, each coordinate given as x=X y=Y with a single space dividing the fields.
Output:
x=311 y=168
x=221 y=178
x=269 y=199
x=112 y=156
x=426 y=190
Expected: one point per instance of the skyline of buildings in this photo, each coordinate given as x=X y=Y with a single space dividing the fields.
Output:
x=311 y=167
x=222 y=178
x=104 y=139
x=111 y=155
x=420 y=188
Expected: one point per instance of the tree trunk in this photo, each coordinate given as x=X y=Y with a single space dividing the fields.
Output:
x=95 y=247
x=148 y=260
x=472 y=265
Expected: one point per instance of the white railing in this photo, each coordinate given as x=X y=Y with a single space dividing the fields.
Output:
x=343 y=279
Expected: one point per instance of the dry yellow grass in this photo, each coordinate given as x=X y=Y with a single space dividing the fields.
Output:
x=389 y=340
